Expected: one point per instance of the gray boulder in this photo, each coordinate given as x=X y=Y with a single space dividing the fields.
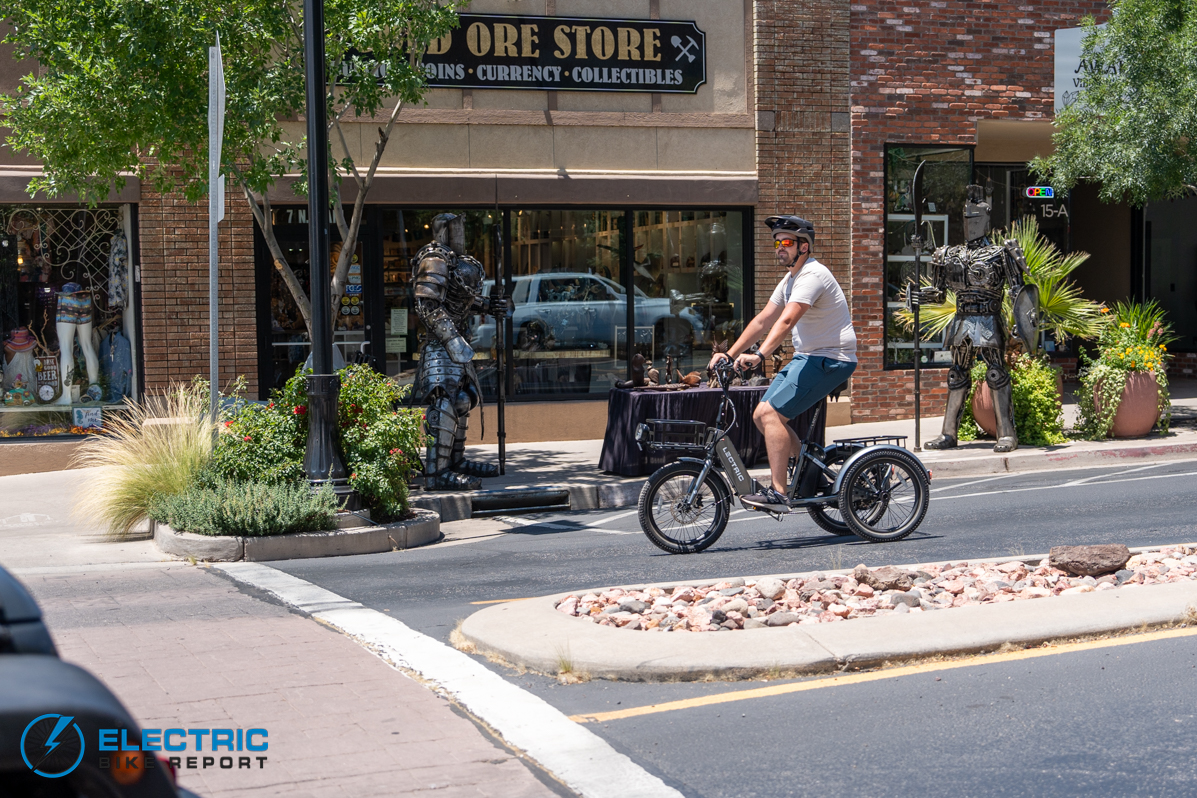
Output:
x=770 y=588
x=781 y=619
x=1105 y=558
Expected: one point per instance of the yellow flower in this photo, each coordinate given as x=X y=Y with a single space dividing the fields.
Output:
x=1163 y=348
x=1124 y=324
x=1105 y=310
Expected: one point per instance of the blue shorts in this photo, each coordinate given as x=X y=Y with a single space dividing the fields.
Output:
x=804 y=381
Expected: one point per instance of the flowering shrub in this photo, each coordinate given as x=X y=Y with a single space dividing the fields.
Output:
x=1038 y=415
x=381 y=442
x=1134 y=338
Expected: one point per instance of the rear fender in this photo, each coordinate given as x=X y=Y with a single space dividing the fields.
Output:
x=839 y=479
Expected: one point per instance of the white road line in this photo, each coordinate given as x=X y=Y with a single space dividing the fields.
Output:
x=583 y=761
x=516 y=521
x=1064 y=485
x=610 y=518
x=1115 y=474
x=974 y=482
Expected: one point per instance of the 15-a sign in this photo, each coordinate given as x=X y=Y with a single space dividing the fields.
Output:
x=569 y=54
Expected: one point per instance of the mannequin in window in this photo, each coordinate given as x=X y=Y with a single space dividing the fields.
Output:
x=75 y=318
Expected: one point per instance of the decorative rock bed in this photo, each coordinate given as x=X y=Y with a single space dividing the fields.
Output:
x=423 y=527
x=734 y=604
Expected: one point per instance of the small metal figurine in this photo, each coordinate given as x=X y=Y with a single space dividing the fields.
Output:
x=448 y=292
x=977 y=272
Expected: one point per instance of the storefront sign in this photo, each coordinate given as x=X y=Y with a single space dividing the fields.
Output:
x=1040 y=192
x=88 y=417
x=1070 y=67
x=569 y=54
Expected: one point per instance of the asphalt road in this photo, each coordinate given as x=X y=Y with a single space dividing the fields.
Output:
x=1114 y=721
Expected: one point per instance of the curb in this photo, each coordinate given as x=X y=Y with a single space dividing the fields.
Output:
x=460 y=506
x=424 y=528
x=533 y=635
x=1052 y=459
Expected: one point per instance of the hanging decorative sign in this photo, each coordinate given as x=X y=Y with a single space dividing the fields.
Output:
x=569 y=54
x=1040 y=192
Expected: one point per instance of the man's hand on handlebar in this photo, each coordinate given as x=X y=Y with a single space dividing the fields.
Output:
x=715 y=360
x=750 y=361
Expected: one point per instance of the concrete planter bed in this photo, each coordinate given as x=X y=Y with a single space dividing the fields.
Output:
x=423 y=527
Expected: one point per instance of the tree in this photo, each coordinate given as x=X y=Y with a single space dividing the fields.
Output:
x=121 y=89
x=1133 y=126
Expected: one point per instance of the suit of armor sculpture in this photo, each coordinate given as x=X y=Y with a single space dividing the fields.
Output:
x=448 y=292
x=977 y=272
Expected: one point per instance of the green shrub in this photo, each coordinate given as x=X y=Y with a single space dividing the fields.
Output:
x=250 y=509
x=380 y=441
x=1038 y=415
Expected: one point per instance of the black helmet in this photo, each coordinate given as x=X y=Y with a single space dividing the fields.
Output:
x=795 y=224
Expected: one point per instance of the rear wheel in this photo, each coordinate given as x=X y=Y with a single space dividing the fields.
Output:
x=884 y=495
x=674 y=523
x=827 y=516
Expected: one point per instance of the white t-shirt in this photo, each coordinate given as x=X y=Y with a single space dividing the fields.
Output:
x=825 y=329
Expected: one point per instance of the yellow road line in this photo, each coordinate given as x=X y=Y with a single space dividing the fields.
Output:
x=498 y=601
x=872 y=676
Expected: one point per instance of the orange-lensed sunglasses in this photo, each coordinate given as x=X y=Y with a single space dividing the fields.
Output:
x=778 y=243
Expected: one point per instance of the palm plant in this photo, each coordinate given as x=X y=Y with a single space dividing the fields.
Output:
x=1062 y=310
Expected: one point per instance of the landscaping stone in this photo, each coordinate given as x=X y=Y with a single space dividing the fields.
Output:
x=817 y=598
x=1096 y=560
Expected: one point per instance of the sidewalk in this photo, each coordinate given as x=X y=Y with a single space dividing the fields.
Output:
x=571 y=467
x=183 y=647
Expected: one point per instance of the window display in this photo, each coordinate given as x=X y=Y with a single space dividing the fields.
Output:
x=945 y=181
x=66 y=317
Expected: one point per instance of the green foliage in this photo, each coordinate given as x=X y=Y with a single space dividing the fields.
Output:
x=1038 y=414
x=1062 y=310
x=1133 y=338
x=381 y=442
x=250 y=509
x=120 y=88
x=1132 y=127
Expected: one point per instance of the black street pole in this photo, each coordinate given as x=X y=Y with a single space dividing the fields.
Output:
x=322 y=461
x=914 y=292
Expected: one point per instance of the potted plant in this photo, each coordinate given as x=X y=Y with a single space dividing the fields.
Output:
x=1124 y=389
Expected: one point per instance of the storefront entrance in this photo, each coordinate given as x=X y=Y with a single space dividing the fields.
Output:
x=681 y=282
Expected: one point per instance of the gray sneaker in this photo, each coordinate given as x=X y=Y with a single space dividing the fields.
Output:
x=766 y=499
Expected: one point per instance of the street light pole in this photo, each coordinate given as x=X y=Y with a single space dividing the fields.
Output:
x=322 y=461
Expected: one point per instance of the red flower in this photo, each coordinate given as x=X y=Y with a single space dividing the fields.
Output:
x=228 y=423
x=353 y=476
x=247 y=439
x=300 y=410
x=270 y=405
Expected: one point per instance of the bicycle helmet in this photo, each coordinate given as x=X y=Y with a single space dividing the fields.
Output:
x=796 y=224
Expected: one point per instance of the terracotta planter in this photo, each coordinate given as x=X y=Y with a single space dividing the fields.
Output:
x=1140 y=406
x=983 y=412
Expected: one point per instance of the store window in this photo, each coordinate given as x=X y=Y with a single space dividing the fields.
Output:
x=1015 y=195
x=404 y=233
x=571 y=306
x=67 y=318
x=688 y=270
x=945 y=187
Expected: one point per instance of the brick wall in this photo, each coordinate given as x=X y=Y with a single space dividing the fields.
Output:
x=802 y=140
x=174 y=290
x=924 y=73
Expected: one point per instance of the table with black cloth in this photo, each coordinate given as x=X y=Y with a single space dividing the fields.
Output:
x=629 y=407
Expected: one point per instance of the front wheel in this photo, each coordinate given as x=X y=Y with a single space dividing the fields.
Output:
x=884 y=495
x=675 y=523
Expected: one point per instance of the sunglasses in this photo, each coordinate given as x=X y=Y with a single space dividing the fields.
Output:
x=778 y=243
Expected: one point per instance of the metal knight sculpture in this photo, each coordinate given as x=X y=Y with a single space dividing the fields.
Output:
x=448 y=292
x=977 y=272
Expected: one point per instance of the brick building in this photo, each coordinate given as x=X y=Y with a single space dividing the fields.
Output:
x=633 y=216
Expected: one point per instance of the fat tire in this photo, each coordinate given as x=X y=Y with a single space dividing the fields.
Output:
x=818 y=512
x=648 y=494
x=921 y=495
